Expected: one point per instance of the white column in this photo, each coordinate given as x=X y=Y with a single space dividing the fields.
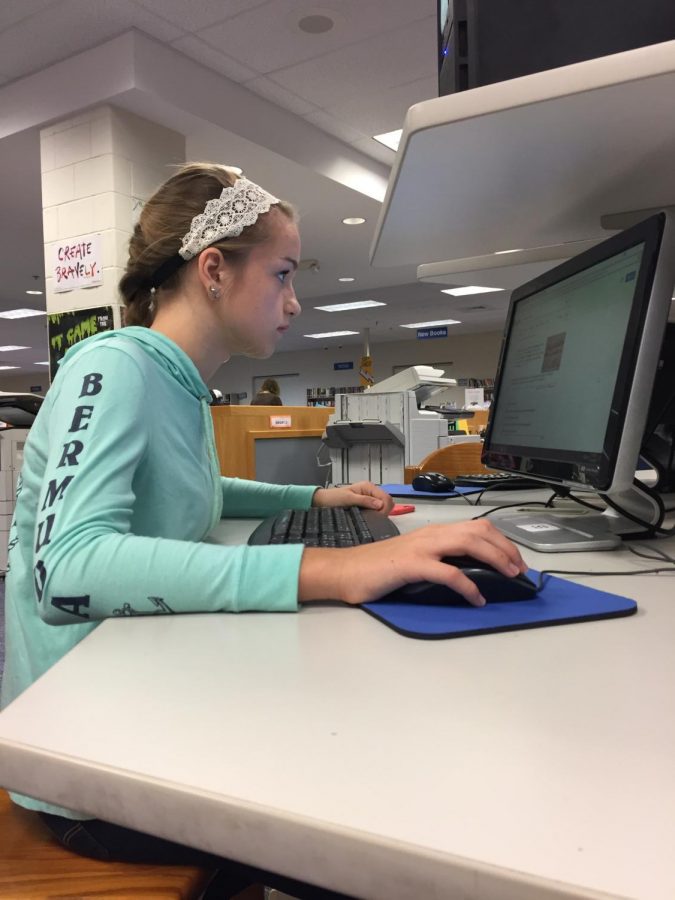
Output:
x=97 y=170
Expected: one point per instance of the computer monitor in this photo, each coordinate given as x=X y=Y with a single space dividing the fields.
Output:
x=658 y=444
x=575 y=378
x=485 y=41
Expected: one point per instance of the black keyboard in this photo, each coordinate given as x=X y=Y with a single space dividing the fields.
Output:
x=498 y=481
x=337 y=526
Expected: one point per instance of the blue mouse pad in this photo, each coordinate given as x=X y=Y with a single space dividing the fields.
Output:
x=559 y=602
x=407 y=490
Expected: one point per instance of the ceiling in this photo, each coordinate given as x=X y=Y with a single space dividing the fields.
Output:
x=300 y=109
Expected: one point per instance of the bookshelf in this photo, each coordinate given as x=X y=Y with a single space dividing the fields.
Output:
x=325 y=396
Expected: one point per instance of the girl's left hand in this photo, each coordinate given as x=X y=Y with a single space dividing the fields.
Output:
x=363 y=493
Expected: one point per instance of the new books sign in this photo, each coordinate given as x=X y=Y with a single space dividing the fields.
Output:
x=426 y=333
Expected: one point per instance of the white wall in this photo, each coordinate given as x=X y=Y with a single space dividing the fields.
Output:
x=21 y=384
x=471 y=356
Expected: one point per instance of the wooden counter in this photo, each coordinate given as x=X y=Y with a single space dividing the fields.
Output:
x=238 y=427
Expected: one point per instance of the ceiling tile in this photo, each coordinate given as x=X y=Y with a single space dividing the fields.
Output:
x=280 y=95
x=268 y=38
x=12 y=11
x=57 y=33
x=334 y=126
x=398 y=57
x=392 y=104
x=198 y=14
x=208 y=56
x=376 y=150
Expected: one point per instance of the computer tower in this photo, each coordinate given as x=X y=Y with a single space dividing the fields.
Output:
x=485 y=41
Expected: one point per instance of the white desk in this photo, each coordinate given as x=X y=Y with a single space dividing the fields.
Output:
x=531 y=764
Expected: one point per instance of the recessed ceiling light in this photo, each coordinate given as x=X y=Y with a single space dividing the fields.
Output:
x=357 y=304
x=12 y=347
x=315 y=24
x=515 y=250
x=9 y=367
x=353 y=220
x=390 y=139
x=469 y=289
x=346 y=279
x=37 y=293
x=432 y=324
x=327 y=334
x=21 y=313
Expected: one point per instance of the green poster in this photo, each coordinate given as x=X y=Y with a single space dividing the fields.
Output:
x=67 y=328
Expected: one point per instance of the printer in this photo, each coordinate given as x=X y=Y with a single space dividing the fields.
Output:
x=374 y=435
x=17 y=414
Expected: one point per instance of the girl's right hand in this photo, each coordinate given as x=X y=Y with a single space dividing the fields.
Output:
x=361 y=574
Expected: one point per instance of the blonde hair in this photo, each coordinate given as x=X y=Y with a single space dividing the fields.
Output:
x=166 y=218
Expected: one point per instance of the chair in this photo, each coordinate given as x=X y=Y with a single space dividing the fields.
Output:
x=453 y=460
x=34 y=866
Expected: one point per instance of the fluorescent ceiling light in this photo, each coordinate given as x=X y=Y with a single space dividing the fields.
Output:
x=327 y=334
x=432 y=324
x=45 y=363
x=12 y=347
x=34 y=292
x=353 y=220
x=390 y=139
x=347 y=279
x=9 y=367
x=21 y=313
x=515 y=250
x=357 y=304
x=469 y=289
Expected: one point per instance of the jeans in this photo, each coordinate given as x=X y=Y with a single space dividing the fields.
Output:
x=113 y=843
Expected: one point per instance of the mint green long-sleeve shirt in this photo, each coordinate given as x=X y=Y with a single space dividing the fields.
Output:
x=119 y=487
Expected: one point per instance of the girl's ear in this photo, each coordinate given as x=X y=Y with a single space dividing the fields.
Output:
x=211 y=266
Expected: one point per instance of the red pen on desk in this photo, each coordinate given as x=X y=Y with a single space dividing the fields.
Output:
x=401 y=508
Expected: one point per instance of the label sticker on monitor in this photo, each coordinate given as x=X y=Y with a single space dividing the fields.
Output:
x=539 y=526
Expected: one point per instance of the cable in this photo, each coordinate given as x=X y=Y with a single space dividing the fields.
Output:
x=650 y=529
x=465 y=498
x=584 y=502
x=489 y=512
x=546 y=572
x=496 y=486
x=659 y=554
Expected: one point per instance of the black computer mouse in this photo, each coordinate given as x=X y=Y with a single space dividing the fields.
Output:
x=495 y=587
x=433 y=482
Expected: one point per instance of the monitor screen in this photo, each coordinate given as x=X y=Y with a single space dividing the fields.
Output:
x=558 y=379
x=578 y=362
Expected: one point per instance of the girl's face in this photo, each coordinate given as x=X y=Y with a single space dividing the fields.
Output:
x=260 y=300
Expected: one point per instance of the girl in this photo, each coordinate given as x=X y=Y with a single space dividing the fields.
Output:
x=121 y=484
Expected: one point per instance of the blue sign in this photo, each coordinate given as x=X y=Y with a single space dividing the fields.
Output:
x=424 y=333
x=343 y=365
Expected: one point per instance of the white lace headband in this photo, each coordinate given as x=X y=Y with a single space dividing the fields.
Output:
x=226 y=216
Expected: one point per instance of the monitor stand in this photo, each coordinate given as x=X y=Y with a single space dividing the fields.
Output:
x=567 y=531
